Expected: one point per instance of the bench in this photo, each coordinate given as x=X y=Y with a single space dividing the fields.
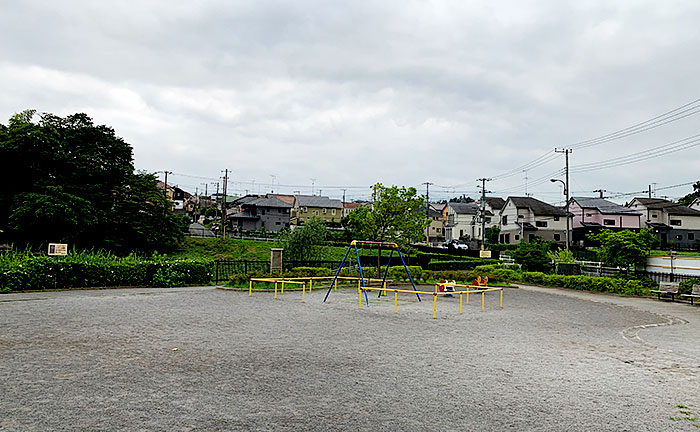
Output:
x=667 y=288
x=693 y=295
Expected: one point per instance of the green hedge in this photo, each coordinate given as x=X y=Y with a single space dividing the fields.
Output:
x=460 y=264
x=21 y=272
x=587 y=283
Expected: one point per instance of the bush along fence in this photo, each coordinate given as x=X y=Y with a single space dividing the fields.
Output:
x=24 y=272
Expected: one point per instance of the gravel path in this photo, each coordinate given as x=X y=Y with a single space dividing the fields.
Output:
x=549 y=360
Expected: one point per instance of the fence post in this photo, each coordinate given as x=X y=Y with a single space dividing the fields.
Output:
x=216 y=272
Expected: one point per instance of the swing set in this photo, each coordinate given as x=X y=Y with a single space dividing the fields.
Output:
x=353 y=245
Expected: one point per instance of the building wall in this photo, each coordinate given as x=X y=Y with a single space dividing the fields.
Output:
x=686 y=222
x=593 y=215
x=326 y=214
x=273 y=218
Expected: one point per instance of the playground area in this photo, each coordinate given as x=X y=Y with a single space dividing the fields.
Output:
x=203 y=359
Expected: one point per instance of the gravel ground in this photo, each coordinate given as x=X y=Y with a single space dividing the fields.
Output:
x=549 y=360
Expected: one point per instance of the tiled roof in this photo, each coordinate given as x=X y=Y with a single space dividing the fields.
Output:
x=495 y=203
x=668 y=206
x=604 y=206
x=464 y=208
x=317 y=201
x=538 y=207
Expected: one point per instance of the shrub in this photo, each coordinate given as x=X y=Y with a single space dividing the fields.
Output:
x=308 y=272
x=686 y=287
x=459 y=264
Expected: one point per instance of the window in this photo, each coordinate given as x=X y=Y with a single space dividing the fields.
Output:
x=521 y=216
x=691 y=236
x=507 y=238
x=504 y=220
x=324 y=211
x=541 y=224
x=589 y=214
x=532 y=237
x=676 y=222
x=314 y=212
x=556 y=218
x=654 y=216
x=304 y=209
x=679 y=237
x=278 y=223
x=333 y=212
x=461 y=233
x=557 y=237
x=439 y=230
x=488 y=220
x=608 y=221
x=517 y=237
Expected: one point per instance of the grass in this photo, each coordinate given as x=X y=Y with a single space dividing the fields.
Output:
x=677 y=253
x=238 y=249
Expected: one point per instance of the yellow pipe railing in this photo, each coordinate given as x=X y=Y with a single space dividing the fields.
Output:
x=435 y=294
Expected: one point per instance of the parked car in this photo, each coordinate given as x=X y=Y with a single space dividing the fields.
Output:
x=456 y=245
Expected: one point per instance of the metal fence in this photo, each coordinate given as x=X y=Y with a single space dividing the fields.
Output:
x=225 y=268
x=666 y=277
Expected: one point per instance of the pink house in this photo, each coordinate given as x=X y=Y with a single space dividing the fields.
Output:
x=590 y=215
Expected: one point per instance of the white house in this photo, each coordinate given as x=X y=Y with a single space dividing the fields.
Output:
x=524 y=218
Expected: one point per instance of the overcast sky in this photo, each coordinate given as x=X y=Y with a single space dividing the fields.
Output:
x=353 y=93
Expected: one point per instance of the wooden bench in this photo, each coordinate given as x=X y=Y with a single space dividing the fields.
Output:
x=693 y=295
x=667 y=288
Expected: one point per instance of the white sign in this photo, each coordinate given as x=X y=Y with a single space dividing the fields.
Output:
x=58 y=249
x=485 y=253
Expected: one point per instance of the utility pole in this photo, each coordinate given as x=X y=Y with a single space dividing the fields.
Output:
x=223 y=205
x=566 y=191
x=344 y=194
x=313 y=182
x=165 y=185
x=272 y=188
x=526 y=194
x=483 y=181
x=427 y=214
x=649 y=191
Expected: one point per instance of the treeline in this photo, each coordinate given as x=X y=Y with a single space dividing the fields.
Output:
x=67 y=180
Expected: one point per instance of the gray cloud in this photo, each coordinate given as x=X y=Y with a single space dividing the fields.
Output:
x=350 y=94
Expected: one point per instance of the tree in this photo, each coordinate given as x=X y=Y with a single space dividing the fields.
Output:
x=624 y=248
x=688 y=199
x=394 y=216
x=491 y=234
x=304 y=243
x=67 y=179
x=533 y=255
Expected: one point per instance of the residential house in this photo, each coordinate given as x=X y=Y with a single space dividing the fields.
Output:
x=590 y=215
x=308 y=206
x=253 y=212
x=461 y=221
x=673 y=224
x=435 y=231
x=695 y=204
x=349 y=207
x=525 y=218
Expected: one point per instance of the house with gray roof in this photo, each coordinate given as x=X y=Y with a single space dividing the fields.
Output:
x=590 y=215
x=673 y=224
x=308 y=206
x=525 y=218
x=461 y=220
x=254 y=212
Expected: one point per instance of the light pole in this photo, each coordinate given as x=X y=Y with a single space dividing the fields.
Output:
x=566 y=208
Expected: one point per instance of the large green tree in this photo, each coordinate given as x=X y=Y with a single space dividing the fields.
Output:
x=304 y=243
x=66 y=179
x=394 y=216
x=688 y=199
x=624 y=248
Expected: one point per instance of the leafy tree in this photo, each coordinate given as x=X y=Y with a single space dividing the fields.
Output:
x=462 y=199
x=561 y=255
x=624 y=248
x=67 y=179
x=688 y=199
x=491 y=234
x=533 y=255
x=304 y=243
x=394 y=216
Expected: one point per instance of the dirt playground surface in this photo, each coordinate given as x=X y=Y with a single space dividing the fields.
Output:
x=203 y=359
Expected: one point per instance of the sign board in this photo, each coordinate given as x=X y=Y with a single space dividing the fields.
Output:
x=485 y=253
x=58 y=249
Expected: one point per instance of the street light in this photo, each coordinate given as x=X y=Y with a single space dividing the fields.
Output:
x=566 y=208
